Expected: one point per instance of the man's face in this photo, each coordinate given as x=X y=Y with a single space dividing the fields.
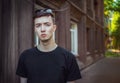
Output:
x=44 y=27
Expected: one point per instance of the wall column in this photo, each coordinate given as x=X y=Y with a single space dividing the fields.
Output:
x=82 y=39
x=63 y=26
x=92 y=39
x=16 y=36
x=25 y=24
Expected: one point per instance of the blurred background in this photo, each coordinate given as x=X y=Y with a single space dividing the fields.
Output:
x=112 y=27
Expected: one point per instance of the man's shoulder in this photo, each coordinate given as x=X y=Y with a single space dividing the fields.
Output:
x=28 y=51
x=61 y=49
x=65 y=51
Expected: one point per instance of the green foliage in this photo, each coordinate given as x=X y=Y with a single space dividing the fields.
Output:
x=107 y=6
x=116 y=34
x=112 y=9
x=114 y=20
x=112 y=5
x=112 y=54
x=117 y=6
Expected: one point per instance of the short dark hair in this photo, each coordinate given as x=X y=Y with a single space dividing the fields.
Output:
x=43 y=12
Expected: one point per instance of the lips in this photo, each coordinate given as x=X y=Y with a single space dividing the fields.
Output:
x=43 y=35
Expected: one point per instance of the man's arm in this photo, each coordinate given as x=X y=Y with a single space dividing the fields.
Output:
x=23 y=80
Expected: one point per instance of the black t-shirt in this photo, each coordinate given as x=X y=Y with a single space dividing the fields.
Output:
x=57 y=66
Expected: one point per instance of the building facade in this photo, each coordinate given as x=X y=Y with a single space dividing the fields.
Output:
x=79 y=29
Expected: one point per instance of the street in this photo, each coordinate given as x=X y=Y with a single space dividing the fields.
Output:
x=106 y=70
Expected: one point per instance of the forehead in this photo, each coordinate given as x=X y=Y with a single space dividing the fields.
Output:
x=43 y=19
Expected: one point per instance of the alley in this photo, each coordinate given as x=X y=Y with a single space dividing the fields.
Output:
x=106 y=70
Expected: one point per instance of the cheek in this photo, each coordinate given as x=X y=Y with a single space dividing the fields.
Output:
x=50 y=30
x=37 y=30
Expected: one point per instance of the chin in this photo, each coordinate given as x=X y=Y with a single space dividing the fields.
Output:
x=45 y=40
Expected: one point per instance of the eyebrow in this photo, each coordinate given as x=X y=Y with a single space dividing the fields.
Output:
x=43 y=23
x=37 y=23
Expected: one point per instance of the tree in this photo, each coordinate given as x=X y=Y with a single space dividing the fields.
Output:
x=116 y=32
x=113 y=7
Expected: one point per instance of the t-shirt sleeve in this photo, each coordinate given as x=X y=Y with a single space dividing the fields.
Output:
x=73 y=69
x=21 y=69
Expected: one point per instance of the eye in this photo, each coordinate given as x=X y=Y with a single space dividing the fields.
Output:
x=47 y=24
x=37 y=25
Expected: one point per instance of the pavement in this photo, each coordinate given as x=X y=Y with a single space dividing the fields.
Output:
x=106 y=70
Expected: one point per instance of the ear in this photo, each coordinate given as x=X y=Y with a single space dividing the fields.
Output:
x=54 y=27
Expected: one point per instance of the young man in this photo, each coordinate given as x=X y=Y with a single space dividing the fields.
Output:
x=48 y=62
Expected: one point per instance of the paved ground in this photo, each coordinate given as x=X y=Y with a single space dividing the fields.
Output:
x=106 y=70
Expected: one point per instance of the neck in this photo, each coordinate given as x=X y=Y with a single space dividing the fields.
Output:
x=47 y=46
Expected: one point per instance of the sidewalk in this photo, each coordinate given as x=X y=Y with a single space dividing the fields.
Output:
x=107 y=70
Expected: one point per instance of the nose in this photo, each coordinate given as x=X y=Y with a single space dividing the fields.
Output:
x=43 y=28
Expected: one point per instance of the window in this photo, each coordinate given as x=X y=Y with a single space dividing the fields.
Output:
x=36 y=39
x=74 y=38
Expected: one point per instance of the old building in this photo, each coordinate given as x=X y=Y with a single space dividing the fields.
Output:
x=80 y=30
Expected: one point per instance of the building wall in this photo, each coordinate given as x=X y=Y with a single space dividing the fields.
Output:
x=17 y=27
x=0 y=38
x=63 y=26
x=17 y=32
